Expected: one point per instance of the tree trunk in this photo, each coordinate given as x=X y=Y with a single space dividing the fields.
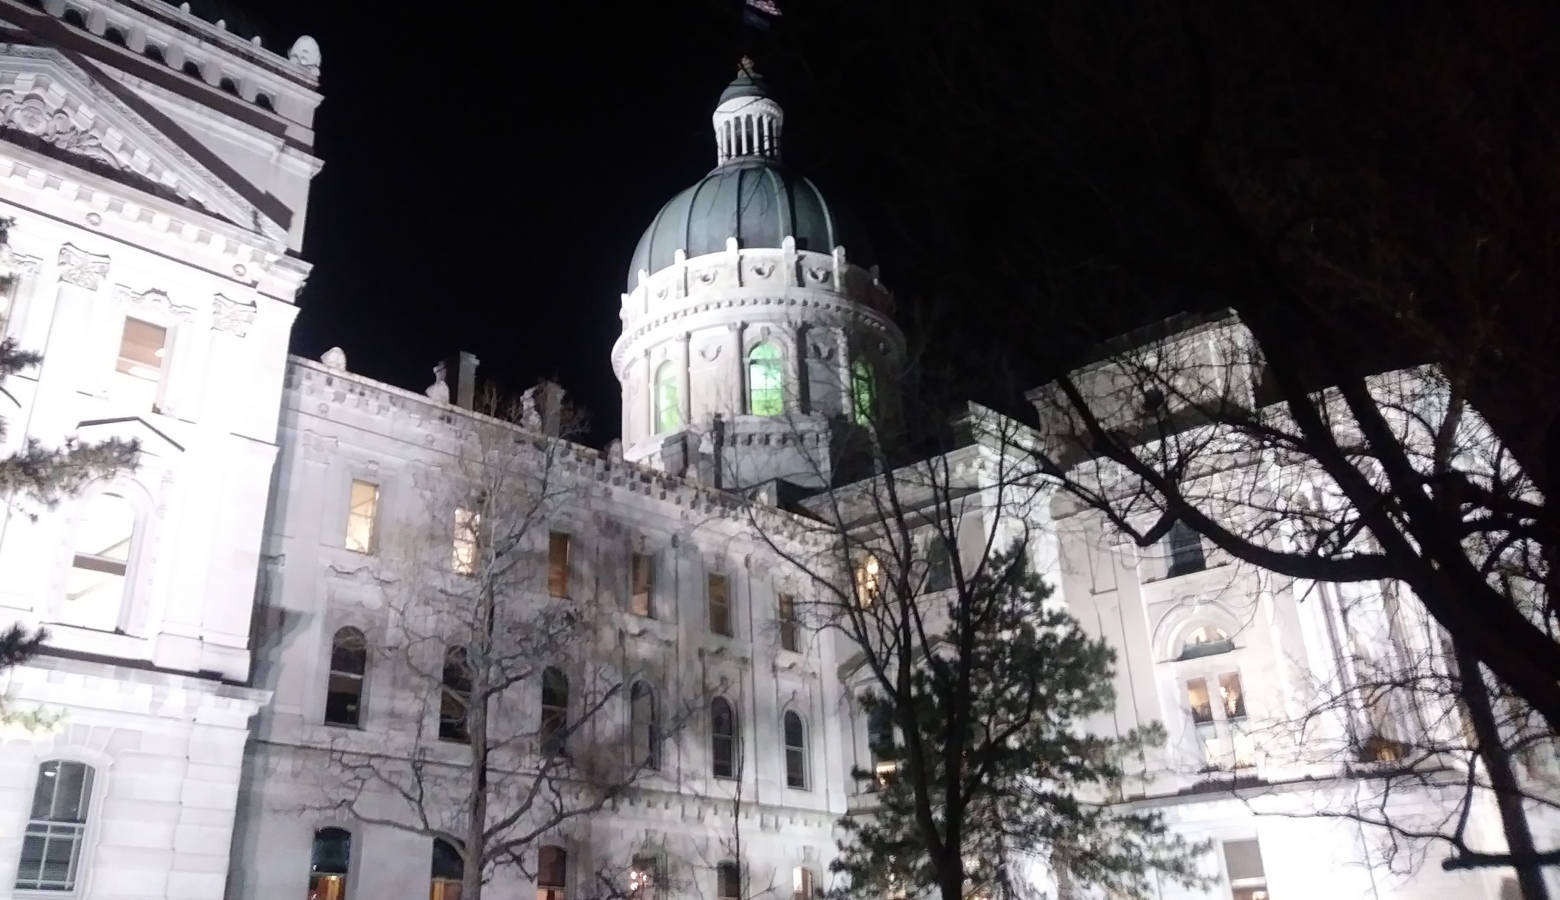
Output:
x=1513 y=818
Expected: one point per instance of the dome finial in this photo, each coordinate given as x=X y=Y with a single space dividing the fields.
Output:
x=747 y=120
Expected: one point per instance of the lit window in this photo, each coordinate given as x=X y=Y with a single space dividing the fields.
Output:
x=1231 y=696
x=720 y=605
x=869 y=581
x=552 y=873
x=723 y=738
x=101 y=540
x=643 y=878
x=1197 y=698
x=795 y=751
x=863 y=392
x=362 y=509
x=142 y=347
x=463 y=551
x=765 y=381
x=1205 y=640
x=880 y=743
x=728 y=881
x=558 y=564
x=1186 y=550
x=455 y=693
x=644 y=731
x=344 y=692
x=1243 y=864
x=788 y=624
x=555 y=711
x=668 y=403
x=52 y=845
x=642 y=585
x=444 y=880
x=328 y=864
x=801 y=883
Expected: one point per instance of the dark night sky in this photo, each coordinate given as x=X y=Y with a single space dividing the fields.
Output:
x=486 y=180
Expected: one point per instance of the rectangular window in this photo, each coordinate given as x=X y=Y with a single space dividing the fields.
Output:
x=1243 y=864
x=52 y=844
x=1186 y=550
x=463 y=552
x=801 y=883
x=642 y=878
x=641 y=585
x=1197 y=698
x=362 y=511
x=788 y=627
x=720 y=605
x=142 y=346
x=1231 y=697
x=558 y=564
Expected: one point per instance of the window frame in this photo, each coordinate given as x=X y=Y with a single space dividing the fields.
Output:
x=466 y=541
x=559 y=571
x=136 y=500
x=371 y=546
x=790 y=627
x=346 y=876
x=550 y=890
x=439 y=884
x=361 y=677
x=1236 y=751
x=798 y=749
x=728 y=869
x=84 y=832
x=1180 y=542
x=552 y=724
x=665 y=399
x=650 y=723
x=863 y=391
x=730 y=739
x=641 y=564
x=727 y=619
x=765 y=361
x=448 y=732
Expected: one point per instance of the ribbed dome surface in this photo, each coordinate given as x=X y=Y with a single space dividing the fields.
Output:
x=756 y=200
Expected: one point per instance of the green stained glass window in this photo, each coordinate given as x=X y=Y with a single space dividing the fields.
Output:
x=863 y=392
x=668 y=405
x=764 y=381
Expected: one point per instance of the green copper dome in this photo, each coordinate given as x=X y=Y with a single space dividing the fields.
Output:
x=759 y=202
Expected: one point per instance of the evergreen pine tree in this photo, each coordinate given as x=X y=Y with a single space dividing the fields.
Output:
x=995 y=774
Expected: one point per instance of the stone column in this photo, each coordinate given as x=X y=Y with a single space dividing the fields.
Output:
x=739 y=369
x=684 y=379
x=64 y=368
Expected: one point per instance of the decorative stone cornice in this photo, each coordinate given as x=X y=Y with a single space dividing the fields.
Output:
x=231 y=316
x=82 y=269
x=154 y=298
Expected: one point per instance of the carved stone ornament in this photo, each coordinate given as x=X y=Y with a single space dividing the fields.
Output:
x=819 y=274
x=439 y=391
x=335 y=359
x=82 y=269
x=34 y=115
x=708 y=276
x=710 y=351
x=13 y=264
x=153 y=298
x=763 y=269
x=231 y=316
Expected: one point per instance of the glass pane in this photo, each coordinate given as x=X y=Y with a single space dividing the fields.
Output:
x=558 y=564
x=720 y=611
x=332 y=852
x=327 y=887
x=863 y=392
x=363 y=505
x=552 y=867
x=795 y=767
x=1197 y=699
x=668 y=408
x=765 y=381
x=793 y=730
x=349 y=652
x=29 y=871
x=1231 y=696
x=72 y=793
x=141 y=350
x=1243 y=859
x=728 y=881
x=1186 y=551
x=343 y=698
x=640 y=583
x=447 y=863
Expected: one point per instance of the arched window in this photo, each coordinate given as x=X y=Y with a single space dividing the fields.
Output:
x=863 y=392
x=101 y=539
x=668 y=401
x=644 y=731
x=801 y=883
x=869 y=580
x=764 y=381
x=1205 y=640
x=643 y=877
x=154 y=53
x=723 y=738
x=795 y=750
x=444 y=877
x=344 y=692
x=328 y=864
x=880 y=742
x=229 y=85
x=192 y=68
x=74 y=17
x=454 y=695
x=52 y=845
x=728 y=881
x=939 y=564
x=552 y=873
x=265 y=102
x=114 y=35
x=555 y=710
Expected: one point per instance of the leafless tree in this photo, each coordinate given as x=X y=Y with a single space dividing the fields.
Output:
x=1386 y=480
x=510 y=723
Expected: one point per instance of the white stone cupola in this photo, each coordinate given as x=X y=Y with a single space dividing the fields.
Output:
x=756 y=334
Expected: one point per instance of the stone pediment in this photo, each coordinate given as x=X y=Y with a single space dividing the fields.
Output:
x=152 y=440
x=51 y=105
